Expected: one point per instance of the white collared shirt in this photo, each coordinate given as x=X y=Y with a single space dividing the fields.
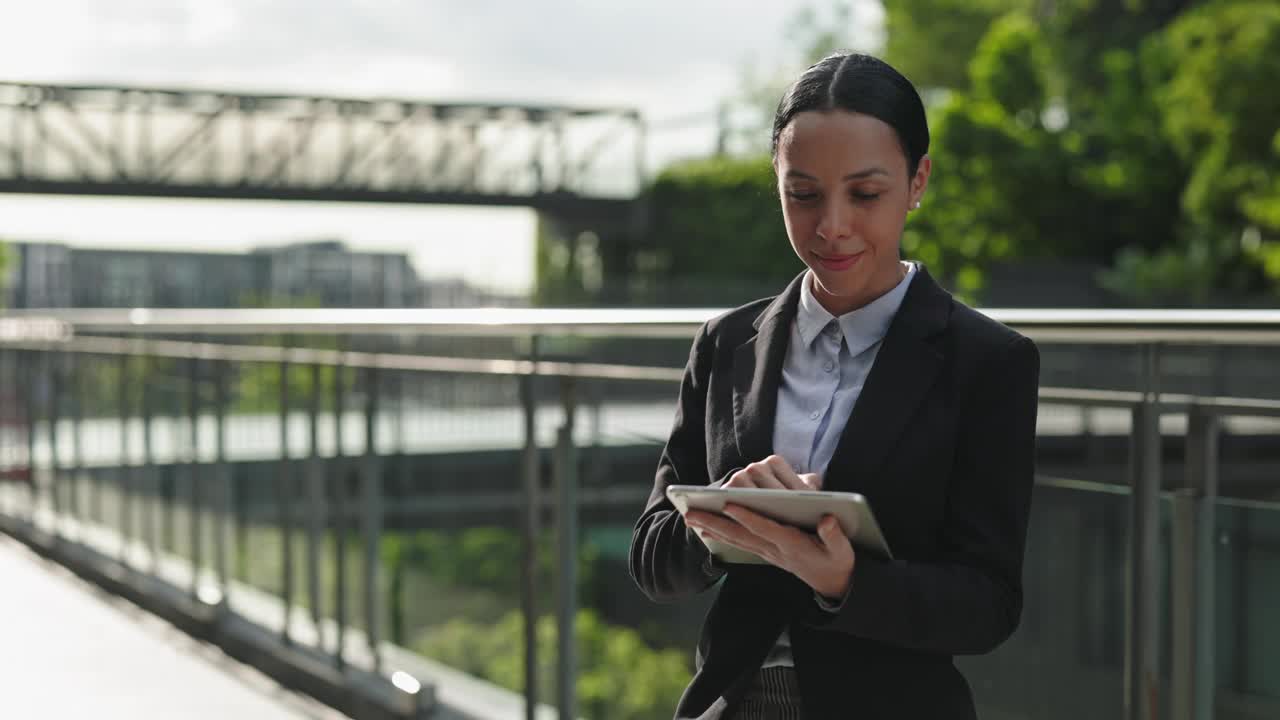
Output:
x=827 y=363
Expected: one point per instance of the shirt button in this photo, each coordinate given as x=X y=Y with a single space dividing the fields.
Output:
x=829 y=366
x=815 y=415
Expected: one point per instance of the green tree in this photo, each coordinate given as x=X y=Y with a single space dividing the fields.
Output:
x=619 y=676
x=1083 y=34
x=1211 y=74
x=931 y=41
x=993 y=157
x=5 y=258
x=257 y=385
x=1140 y=136
x=719 y=219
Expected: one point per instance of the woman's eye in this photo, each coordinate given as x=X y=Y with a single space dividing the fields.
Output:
x=802 y=196
x=865 y=196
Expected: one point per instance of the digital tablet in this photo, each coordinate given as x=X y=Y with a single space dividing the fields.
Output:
x=799 y=508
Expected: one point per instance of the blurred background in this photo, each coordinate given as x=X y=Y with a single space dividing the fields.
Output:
x=1089 y=154
x=372 y=472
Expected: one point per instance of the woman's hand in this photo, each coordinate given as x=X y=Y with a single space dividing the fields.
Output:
x=775 y=473
x=824 y=561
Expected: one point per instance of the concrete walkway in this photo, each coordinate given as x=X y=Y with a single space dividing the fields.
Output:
x=69 y=651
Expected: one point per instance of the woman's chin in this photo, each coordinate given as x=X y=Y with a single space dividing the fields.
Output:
x=845 y=284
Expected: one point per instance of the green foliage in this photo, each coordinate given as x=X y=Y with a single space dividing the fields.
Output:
x=1183 y=211
x=726 y=215
x=1141 y=136
x=6 y=256
x=1083 y=33
x=993 y=157
x=487 y=559
x=1010 y=68
x=568 y=265
x=968 y=219
x=450 y=596
x=619 y=676
x=1217 y=64
x=257 y=387
x=929 y=41
x=162 y=382
x=1211 y=74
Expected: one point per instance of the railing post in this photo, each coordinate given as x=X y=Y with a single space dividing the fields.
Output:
x=532 y=520
x=283 y=484
x=8 y=375
x=1142 y=643
x=222 y=528
x=402 y=482
x=566 y=474
x=124 y=477
x=315 y=502
x=53 y=375
x=151 y=475
x=1206 y=457
x=371 y=515
x=6 y=449
x=1182 y=603
x=194 y=524
x=339 y=515
x=1193 y=588
x=75 y=468
x=31 y=385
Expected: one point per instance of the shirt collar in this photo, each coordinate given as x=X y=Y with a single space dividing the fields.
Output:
x=863 y=327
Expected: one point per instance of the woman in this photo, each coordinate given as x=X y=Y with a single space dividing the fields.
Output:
x=863 y=375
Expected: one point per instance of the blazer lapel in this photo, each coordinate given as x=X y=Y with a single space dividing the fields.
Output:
x=757 y=372
x=904 y=370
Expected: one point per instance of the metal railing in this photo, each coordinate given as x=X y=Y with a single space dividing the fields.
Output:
x=49 y=343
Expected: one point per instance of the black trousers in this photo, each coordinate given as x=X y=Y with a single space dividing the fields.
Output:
x=773 y=695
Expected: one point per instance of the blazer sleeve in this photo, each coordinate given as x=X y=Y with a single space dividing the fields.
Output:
x=970 y=599
x=667 y=559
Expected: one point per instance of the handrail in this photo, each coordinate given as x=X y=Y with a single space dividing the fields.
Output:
x=187 y=350
x=1047 y=325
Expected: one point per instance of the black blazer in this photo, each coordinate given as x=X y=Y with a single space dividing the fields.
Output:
x=941 y=442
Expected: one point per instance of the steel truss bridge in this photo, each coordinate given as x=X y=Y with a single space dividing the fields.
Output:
x=89 y=140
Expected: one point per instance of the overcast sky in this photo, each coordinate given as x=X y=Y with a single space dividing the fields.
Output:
x=667 y=58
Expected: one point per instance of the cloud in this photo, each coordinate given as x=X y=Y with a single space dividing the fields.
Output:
x=667 y=58
x=660 y=53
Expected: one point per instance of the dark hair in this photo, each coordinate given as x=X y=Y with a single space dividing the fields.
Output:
x=862 y=84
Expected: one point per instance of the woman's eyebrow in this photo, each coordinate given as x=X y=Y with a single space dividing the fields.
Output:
x=859 y=175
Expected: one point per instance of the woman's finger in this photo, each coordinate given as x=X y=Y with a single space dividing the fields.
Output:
x=773 y=532
x=832 y=535
x=761 y=475
x=783 y=471
x=741 y=479
x=743 y=540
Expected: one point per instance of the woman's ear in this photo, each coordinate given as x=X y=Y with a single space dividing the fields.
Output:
x=920 y=181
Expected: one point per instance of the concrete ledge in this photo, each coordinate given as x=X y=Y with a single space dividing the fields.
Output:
x=351 y=690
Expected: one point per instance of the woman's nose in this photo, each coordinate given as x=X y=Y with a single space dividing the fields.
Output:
x=835 y=222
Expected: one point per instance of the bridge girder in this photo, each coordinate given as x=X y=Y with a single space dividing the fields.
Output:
x=192 y=143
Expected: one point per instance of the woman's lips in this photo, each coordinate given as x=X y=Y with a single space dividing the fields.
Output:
x=838 y=262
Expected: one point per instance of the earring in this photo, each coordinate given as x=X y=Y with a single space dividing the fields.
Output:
x=917 y=206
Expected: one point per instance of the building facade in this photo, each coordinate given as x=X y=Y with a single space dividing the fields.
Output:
x=306 y=274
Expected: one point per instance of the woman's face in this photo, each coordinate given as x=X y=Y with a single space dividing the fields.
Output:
x=842 y=178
